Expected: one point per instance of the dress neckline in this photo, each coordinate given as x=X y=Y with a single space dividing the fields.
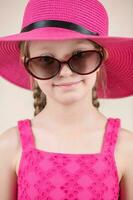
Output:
x=72 y=154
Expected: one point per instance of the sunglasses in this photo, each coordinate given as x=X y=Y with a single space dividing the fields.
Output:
x=46 y=67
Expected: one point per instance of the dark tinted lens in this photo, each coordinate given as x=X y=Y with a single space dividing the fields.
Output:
x=46 y=67
x=85 y=62
x=43 y=67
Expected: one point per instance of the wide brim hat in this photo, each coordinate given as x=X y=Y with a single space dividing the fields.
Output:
x=65 y=20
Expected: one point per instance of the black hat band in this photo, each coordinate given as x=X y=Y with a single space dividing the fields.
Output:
x=60 y=24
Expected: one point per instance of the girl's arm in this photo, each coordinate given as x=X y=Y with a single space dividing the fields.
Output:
x=126 y=184
x=8 y=178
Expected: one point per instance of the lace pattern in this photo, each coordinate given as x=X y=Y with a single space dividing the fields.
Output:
x=58 y=176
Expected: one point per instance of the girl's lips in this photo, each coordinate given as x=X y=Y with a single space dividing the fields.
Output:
x=68 y=84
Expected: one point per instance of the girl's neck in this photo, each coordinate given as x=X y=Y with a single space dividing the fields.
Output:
x=85 y=117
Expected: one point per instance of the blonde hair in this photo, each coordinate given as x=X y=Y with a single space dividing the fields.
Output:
x=40 y=100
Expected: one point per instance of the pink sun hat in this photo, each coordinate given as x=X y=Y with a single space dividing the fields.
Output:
x=70 y=19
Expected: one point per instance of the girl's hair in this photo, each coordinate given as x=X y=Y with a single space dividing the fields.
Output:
x=40 y=100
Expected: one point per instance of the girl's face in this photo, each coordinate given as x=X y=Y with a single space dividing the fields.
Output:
x=63 y=50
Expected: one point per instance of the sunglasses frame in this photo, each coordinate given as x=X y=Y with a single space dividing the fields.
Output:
x=99 y=51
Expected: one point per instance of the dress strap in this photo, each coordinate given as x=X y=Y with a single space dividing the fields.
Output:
x=26 y=135
x=111 y=135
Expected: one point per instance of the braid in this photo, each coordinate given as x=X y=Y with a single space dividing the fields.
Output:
x=39 y=99
x=95 y=101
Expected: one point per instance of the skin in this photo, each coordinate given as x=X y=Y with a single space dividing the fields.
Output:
x=73 y=106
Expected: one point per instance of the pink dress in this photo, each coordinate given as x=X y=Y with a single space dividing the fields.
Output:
x=46 y=175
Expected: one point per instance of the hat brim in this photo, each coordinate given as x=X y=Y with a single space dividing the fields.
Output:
x=118 y=66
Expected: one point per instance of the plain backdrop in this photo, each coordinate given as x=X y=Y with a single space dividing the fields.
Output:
x=17 y=103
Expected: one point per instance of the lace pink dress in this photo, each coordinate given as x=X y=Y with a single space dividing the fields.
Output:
x=46 y=175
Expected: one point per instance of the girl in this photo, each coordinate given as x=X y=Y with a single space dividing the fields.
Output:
x=69 y=150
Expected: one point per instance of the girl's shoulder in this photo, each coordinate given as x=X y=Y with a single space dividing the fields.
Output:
x=10 y=136
x=126 y=137
x=10 y=143
x=126 y=146
x=126 y=140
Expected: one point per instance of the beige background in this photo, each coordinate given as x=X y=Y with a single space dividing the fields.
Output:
x=17 y=103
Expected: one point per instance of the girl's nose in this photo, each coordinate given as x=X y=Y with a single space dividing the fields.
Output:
x=65 y=70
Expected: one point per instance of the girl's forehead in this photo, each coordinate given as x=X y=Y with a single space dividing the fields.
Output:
x=54 y=43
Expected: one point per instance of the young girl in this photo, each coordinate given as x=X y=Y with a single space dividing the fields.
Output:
x=69 y=150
